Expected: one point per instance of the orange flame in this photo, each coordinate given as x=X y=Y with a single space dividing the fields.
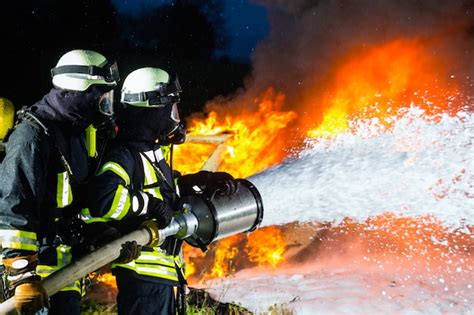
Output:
x=225 y=252
x=263 y=247
x=370 y=82
x=251 y=147
x=266 y=246
x=105 y=278
x=375 y=82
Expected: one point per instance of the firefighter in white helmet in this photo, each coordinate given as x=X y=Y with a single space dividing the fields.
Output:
x=136 y=183
x=42 y=176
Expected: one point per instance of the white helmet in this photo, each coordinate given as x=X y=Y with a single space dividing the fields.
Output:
x=78 y=69
x=155 y=88
x=150 y=87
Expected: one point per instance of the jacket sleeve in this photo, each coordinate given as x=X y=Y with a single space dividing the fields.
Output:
x=22 y=189
x=110 y=195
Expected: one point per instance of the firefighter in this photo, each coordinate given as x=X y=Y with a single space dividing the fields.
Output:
x=7 y=112
x=136 y=183
x=47 y=163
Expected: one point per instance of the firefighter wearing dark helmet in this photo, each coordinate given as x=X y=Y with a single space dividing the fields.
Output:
x=47 y=162
x=136 y=183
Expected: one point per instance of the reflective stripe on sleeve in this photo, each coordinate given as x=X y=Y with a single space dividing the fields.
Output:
x=64 y=192
x=117 y=169
x=17 y=239
x=120 y=204
x=86 y=216
x=136 y=204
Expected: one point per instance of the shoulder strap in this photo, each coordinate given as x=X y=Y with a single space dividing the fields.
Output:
x=25 y=115
x=160 y=174
x=138 y=175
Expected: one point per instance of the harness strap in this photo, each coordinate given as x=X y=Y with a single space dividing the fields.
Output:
x=181 y=294
x=26 y=115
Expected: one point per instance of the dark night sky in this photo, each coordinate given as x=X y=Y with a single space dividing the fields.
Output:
x=41 y=31
x=245 y=22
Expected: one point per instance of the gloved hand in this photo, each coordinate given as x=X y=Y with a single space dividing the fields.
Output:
x=209 y=183
x=160 y=210
x=30 y=295
x=222 y=183
x=130 y=251
x=99 y=234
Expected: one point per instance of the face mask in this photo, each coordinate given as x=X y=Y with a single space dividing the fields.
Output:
x=105 y=121
x=176 y=133
x=106 y=103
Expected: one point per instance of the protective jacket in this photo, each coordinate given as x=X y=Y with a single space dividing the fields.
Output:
x=42 y=176
x=133 y=173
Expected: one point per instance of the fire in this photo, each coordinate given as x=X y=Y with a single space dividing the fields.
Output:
x=263 y=247
x=251 y=146
x=266 y=246
x=375 y=82
x=105 y=278
x=225 y=252
x=371 y=82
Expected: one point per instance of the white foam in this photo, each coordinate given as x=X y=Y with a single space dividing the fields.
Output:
x=420 y=166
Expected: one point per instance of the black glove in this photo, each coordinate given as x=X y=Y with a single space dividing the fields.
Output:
x=98 y=234
x=161 y=211
x=221 y=183
x=130 y=251
x=209 y=183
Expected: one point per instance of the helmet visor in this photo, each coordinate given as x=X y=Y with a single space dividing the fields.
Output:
x=175 y=113
x=111 y=72
x=106 y=103
x=171 y=88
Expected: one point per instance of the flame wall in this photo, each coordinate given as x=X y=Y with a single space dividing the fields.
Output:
x=309 y=39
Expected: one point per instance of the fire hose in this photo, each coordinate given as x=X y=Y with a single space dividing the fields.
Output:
x=201 y=221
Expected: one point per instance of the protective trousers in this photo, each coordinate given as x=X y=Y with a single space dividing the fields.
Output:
x=67 y=302
x=144 y=297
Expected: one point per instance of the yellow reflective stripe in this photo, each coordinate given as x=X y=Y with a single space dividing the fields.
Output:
x=166 y=150
x=64 y=192
x=86 y=216
x=17 y=239
x=120 y=204
x=149 y=257
x=45 y=271
x=117 y=169
x=63 y=254
x=76 y=286
x=151 y=270
x=150 y=178
x=179 y=261
x=91 y=141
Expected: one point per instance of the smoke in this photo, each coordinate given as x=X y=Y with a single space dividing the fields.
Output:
x=307 y=38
